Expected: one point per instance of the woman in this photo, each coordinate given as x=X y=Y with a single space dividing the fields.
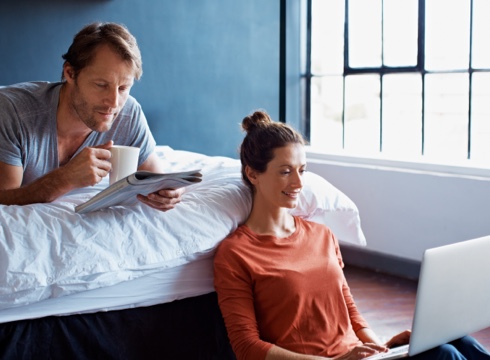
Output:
x=279 y=278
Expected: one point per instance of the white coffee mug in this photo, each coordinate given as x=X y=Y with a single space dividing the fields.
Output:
x=124 y=161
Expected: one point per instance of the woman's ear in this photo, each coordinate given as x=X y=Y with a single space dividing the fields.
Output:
x=251 y=174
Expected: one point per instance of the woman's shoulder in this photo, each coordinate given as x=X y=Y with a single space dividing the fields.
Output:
x=312 y=226
x=235 y=238
x=235 y=247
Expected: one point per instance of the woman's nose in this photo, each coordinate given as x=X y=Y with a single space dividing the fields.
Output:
x=298 y=179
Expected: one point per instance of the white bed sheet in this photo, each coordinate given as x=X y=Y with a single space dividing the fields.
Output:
x=50 y=255
x=187 y=280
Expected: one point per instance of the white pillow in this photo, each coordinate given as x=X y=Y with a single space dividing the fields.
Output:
x=323 y=203
x=320 y=201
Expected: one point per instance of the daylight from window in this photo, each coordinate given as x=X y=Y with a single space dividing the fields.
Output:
x=376 y=90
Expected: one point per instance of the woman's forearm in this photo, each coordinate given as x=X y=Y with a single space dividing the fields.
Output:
x=366 y=335
x=278 y=353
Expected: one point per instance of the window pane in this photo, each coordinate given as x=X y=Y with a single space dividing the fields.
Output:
x=480 y=118
x=402 y=115
x=446 y=116
x=481 y=34
x=447 y=34
x=362 y=114
x=400 y=32
x=327 y=37
x=326 y=113
x=364 y=33
x=409 y=120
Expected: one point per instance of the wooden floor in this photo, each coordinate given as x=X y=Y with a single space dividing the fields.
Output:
x=387 y=302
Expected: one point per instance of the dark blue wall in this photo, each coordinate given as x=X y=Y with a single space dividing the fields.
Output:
x=206 y=63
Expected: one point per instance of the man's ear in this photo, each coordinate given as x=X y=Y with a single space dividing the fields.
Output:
x=251 y=174
x=69 y=72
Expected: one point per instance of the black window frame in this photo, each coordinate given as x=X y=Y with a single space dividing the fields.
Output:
x=307 y=75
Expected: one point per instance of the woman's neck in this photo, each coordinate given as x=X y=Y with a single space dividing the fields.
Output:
x=280 y=223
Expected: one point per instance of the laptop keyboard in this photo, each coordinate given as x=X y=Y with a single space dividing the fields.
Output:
x=390 y=354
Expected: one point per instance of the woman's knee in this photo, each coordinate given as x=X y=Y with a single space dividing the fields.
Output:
x=465 y=348
x=465 y=341
x=443 y=352
x=471 y=348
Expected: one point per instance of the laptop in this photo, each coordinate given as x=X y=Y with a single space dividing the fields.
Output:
x=453 y=297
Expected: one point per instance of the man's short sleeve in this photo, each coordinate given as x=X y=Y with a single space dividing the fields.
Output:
x=10 y=133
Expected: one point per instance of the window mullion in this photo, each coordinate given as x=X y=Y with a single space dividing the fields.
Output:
x=470 y=74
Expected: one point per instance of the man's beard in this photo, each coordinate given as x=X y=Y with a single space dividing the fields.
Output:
x=87 y=116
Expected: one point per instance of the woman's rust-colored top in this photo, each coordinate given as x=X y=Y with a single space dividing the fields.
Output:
x=290 y=292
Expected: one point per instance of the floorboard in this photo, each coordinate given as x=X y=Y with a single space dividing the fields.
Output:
x=387 y=302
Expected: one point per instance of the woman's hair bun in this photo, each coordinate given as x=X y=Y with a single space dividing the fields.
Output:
x=258 y=119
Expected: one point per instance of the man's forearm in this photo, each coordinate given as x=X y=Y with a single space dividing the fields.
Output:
x=44 y=190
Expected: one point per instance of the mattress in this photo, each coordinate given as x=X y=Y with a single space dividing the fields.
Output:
x=179 y=282
x=56 y=262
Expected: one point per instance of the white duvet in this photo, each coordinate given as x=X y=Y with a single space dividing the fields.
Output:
x=47 y=250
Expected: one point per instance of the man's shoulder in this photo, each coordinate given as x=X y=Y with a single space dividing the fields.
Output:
x=131 y=105
x=30 y=86
x=27 y=90
x=28 y=103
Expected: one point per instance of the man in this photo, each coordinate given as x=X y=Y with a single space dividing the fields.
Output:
x=55 y=137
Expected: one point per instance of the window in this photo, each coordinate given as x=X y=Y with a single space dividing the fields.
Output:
x=402 y=79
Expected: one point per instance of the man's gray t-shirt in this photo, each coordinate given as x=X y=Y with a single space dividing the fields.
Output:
x=28 y=135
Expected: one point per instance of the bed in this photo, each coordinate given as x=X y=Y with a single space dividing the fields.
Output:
x=130 y=282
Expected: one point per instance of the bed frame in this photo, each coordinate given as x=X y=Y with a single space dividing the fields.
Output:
x=191 y=328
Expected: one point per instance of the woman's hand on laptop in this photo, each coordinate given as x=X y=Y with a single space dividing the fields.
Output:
x=363 y=351
x=400 y=339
